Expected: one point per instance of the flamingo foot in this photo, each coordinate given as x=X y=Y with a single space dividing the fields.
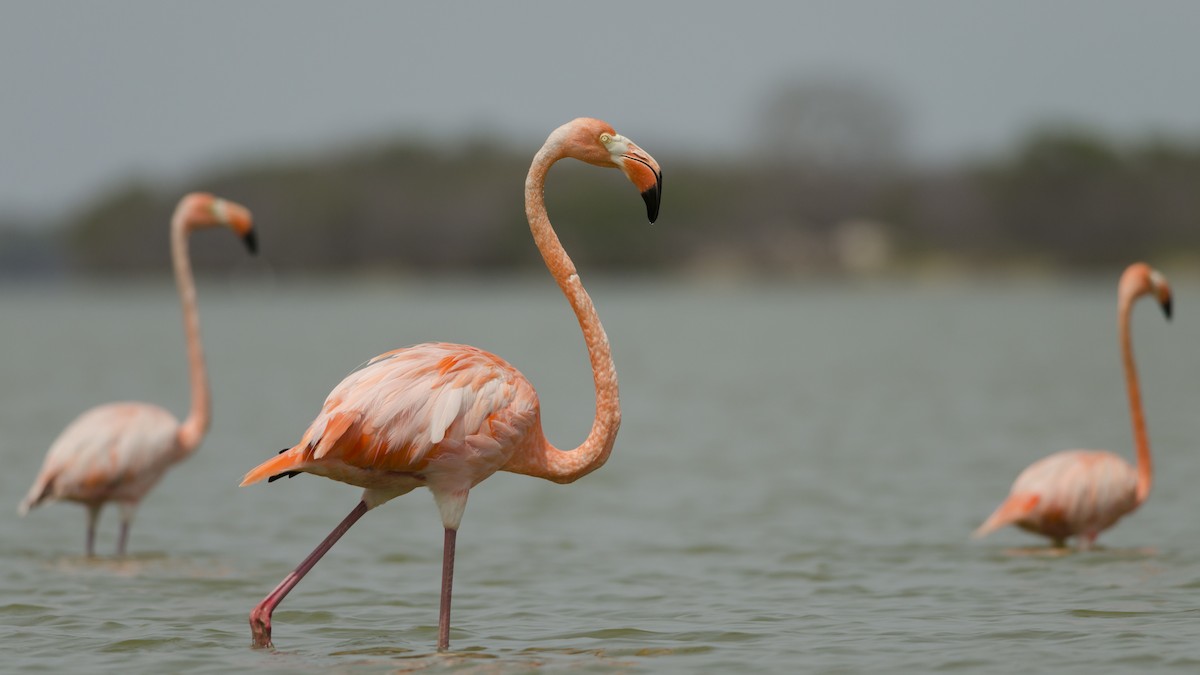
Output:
x=260 y=616
x=260 y=628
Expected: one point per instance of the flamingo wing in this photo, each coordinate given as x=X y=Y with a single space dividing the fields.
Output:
x=114 y=451
x=410 y=414
x=1016 y=507
x=1069 y=493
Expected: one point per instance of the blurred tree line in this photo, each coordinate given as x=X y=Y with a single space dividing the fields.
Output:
x=826 y=190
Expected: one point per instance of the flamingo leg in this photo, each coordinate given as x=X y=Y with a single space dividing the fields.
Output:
x=260 y=617
x=443 y=642
x=122 y=538
x=127 y=511
x=90 y=542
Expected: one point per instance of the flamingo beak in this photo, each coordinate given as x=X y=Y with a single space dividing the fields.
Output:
x=643 y=171
x=237 y=218
x=1166 y=306
x=250 y=239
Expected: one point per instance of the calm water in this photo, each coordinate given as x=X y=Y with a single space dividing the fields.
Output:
x=792 y=490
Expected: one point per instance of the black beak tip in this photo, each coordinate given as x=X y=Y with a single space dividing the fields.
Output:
x=251 y=241
x=653 y=198
x=1166 y=307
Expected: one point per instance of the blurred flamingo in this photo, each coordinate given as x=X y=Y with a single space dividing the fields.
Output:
x=1081 y=493
x=119 y=451
x=447 y=416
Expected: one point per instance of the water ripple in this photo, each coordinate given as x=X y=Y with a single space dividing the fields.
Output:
x=835 y=540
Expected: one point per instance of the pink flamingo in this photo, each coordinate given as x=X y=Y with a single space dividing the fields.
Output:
x=1081 y=493
x=447 y=416
x=119 y=451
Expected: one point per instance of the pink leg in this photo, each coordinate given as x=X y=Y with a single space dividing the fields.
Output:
x=122 y=538
x=1087 y=540
x=260 y=617
x=93 y=514
x=127 y=511
x=447 y=582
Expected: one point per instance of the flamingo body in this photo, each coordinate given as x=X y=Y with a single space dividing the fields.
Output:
x=119 y=451
x=442 y=415
x=1070 y=493
x=113 y=452
x=1081 y=493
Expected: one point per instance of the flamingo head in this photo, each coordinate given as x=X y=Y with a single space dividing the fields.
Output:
x=203 y=210
x=1141 y=279
x=595 y=142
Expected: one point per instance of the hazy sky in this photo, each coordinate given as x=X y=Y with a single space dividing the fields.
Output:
x=93 y=94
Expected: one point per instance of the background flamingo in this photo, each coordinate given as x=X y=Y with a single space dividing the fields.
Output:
x=1081 y=493
x=447 y=416
x=119 y=451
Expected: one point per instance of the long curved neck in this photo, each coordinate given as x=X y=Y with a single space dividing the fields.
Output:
x=544 y=460
x=1141 y=439
x=192 y=431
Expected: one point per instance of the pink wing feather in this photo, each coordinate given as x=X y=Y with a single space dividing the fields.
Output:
x=113 y=451
x=428 y=412
x=1069 y=493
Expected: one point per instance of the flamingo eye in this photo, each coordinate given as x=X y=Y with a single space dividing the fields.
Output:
x=605 y=138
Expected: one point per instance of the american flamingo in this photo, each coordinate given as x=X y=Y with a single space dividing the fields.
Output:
x=447 y=416
x=119 y=451
x=1081 y=493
